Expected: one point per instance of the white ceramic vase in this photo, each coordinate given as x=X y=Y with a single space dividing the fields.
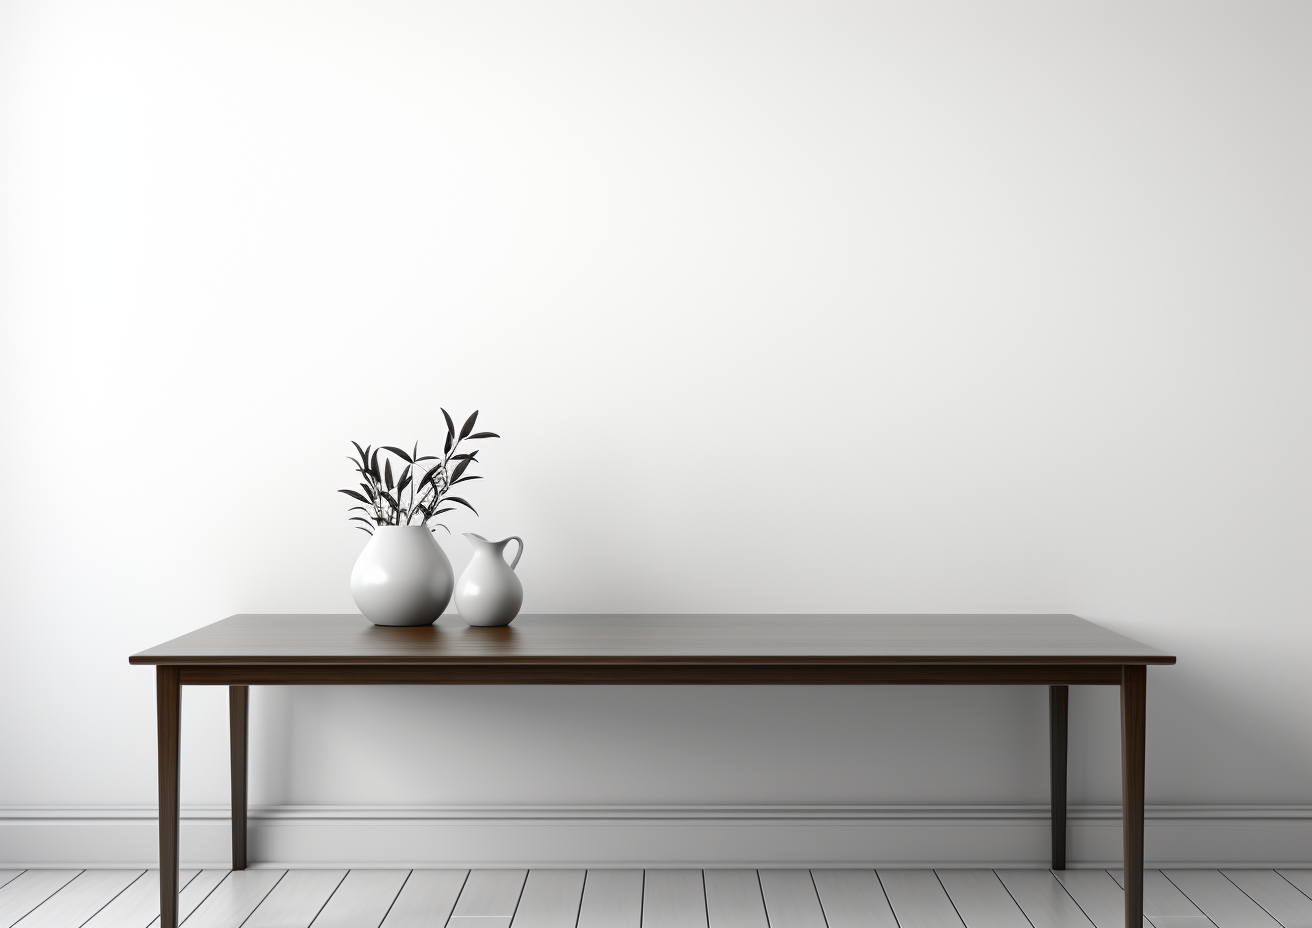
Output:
x=489 y=593
x=402 y=577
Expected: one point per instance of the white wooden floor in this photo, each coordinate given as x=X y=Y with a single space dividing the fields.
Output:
x=656 y=899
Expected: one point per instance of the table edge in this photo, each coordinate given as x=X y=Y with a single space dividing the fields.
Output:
x=632 y=661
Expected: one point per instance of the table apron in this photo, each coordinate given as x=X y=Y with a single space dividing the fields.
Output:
x=650 y=674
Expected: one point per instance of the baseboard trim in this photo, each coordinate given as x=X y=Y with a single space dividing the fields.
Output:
x=669 y=813
x=659 y=836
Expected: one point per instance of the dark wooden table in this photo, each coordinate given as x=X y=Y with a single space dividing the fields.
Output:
x=744 y=650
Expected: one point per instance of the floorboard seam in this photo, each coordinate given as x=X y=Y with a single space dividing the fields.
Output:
x=319 y=912
x=1023 y=914
x=131 y=883
x=202 y=901
x=1291 y=883
x=43 y=901
x=520 y=897
x=391 y=905
x=1249 y=895
x=262 y=898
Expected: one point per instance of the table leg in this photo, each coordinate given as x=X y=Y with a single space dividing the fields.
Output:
x=1134 y=704
x=238 y=716
x=168 y=709
x=1058 y=710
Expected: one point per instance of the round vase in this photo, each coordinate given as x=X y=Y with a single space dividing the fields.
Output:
x=402 y=577
x=489 y=594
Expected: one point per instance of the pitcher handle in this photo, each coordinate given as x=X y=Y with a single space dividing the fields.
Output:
x=519 y=553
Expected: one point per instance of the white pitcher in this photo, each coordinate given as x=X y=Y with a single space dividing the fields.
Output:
x=488 y=592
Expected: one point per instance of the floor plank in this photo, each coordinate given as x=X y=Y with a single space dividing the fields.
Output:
x=982 y=901
x=83 y=897
x=1161 y=897
x=550 y=899
x=193 y=894
x=296 y=900
x=426 y=900
x=1043 y=899
x=233 y=900
x=1274 y=893
x=611 y=899
x=733 y=899
x=1221 y=901
x=362 y=899
x=853 y=899
x=490 y=893
x=24 y=893
x=1301 y=879
x=673 y=899
x=918 y=899
x=1101 y=897
x=7 y=875
x=138 y=905
x=791 y=900
x=1181 y=921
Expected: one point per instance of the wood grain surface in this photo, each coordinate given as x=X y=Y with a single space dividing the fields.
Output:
x=919 y=899
x=659 y=639
x=426 y=899
x=296 y=900
x=983 y=902
x=1044 y=900
x=86 y=895
x=138 y=905
x=733 y=899
x=1098 y=895
x=673 y=899
x=853 y=899
x=779 y=674
x=612 y=899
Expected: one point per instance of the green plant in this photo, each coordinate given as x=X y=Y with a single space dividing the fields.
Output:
x=384 y=497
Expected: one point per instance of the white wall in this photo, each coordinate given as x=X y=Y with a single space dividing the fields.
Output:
x=803 y=306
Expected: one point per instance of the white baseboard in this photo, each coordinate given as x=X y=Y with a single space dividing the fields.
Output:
x=658 y=836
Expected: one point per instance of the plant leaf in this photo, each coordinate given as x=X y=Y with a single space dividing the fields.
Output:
x=462 y=455
x=468 y=426
x=373 y=467
x=364 y=455
x=354 y=495
x=457 y=499
x=403 y=482
x=427 y=457
x=367 y=531
x=460 y=469
x=365 y=521
x=484 y=435
x=399 y=453
x=467 y=477
x=448 y=509
x=387 y=473
x=360 y=508
x=450 y=430
x=430 y=477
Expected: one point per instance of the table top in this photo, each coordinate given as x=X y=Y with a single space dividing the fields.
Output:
x=618 y=640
